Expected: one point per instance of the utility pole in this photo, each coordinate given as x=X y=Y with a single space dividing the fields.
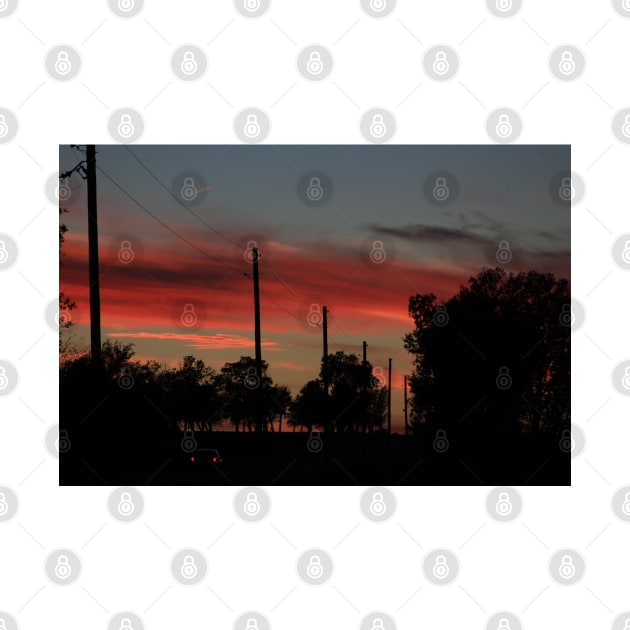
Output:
x=95 y=291
x=364 y=379
x=389 y=399
x=257 y=342
x=325 y=362
x=406 y=425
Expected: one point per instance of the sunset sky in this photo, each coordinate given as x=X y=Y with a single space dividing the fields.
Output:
x=310 y=254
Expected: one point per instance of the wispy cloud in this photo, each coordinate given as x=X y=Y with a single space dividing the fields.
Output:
x=218 y=341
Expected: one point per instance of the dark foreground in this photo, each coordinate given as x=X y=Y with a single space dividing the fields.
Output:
x=338 y=459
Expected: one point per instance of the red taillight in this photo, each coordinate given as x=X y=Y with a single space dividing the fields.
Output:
x=192 y=459
x=214 y=459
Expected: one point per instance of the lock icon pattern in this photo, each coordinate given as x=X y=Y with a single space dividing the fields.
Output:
x=252 y=379
x=189 y=569
x=126 y=5
x=315 y=569
x=189 y=190
x=440 y=443
x=252 y=126
x=625 y=381
x=4 y=380
x=378 y=379
x=4 y=506
x=125 y=624
x=188 y=316
x=126 y=128
x=63 y=570
x=440 y=568
x=377 y=504
x=63 y=441
x=252 y=624
x=441 y=191
x=378 y=254
x=378 y=5
x=504 y=380
x=625 y=255
x=567 y=568
x=504 y=253
x=126 y=506
x=62 y=191
x=125 y=380
x=189 y=63
x=252 y=504
x=566 y=191
x=440 y=317
x=250 y=255
x=63 y=65
x=625 y=506
x=189 y=442
x=377 y=127
x=252 y=5
x=315 y=317
x=315 y=442
x=315 y=192
x=504 y=5
x=4 y=254
x=625 y=129
x=567 y=63
x=504 y=624
x=504 y=505
x=567 y=316
x=440 y=63
x=126 y=253
x=504 y=126
x=315 y=64
x=4 y=128
x=567 y=443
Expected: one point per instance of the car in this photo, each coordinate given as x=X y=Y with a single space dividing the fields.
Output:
x=205 y=457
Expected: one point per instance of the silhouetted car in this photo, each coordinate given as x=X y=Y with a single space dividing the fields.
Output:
x=205 y=457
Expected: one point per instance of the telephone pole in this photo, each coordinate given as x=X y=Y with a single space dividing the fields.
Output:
x=406 y=425
x=389 y=399
x=95 y=291
x=257 y=342
x=325 y=362
x=364 y=381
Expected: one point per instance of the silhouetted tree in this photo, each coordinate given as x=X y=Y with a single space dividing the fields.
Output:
x=495 y=358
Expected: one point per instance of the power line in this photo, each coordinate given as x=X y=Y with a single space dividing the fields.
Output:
x=166 y=226
x=180 y=202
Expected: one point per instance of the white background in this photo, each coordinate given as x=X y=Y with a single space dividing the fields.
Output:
x=252 y=63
